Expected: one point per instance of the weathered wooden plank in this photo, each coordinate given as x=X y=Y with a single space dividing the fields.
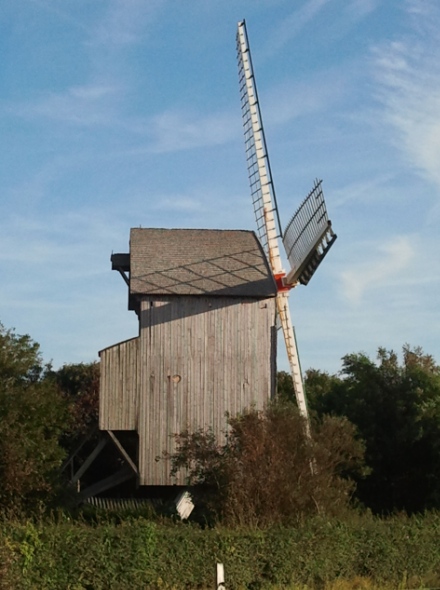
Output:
x=201 y=357
x=119 y=386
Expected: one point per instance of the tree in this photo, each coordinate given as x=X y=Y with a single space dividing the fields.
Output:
x=32 y=416
x=268 y=471
x=285 y=391
x=79 y=386
x=396 y=409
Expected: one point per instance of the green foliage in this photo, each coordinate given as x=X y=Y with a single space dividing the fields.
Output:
x=285 y=387
x=32 y=415
x=79 y=386
x=268 y=471
x=396 y=409
x=398 y=552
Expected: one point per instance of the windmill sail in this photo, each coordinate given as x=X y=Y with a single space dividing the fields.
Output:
x=265 y=206
x=260 y=177
x=308 y=237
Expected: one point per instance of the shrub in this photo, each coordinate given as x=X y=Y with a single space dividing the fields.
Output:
x=269 y=472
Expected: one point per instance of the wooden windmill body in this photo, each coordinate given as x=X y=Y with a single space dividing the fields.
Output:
x=205 y=300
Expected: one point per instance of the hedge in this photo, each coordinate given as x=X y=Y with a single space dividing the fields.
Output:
x=395 y=552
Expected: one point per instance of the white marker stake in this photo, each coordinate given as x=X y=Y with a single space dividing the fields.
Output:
x=220 y=577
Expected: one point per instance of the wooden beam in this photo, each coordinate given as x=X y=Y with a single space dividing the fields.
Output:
x=105 y=484
x=123 y=451
x=101 y=444
x=91 y=431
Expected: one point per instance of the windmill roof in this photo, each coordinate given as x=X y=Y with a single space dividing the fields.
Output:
x=198 y=262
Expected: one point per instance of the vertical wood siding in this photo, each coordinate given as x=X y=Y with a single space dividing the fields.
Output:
x=119 y=386
x=200 y=357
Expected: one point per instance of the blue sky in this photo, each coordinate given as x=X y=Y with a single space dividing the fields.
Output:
x=126 y=113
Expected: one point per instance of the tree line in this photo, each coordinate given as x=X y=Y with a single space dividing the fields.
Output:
x=395 y=408
x=43 y=414
x=375 y=438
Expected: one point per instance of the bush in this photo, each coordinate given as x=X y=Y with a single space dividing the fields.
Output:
x=269 y=472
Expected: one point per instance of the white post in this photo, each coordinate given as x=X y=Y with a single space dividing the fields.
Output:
x=220 y=577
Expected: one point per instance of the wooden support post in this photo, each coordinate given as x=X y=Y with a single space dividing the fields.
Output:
x=101 y=444
x=123 y=451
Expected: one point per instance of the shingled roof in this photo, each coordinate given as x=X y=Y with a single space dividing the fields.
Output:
x=198 y=262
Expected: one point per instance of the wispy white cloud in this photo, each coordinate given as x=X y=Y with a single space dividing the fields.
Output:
x=90 y=104
x=392 y=258
x=294 y=24
x=110 y=28
x=359 y=9
x=349 y=14
x=362 y=191
x=423 y=8
x=60 y=10
x=175 y=131
x=177 y=203
x=408 y=76
x=59 y=243
x=58 y=268
x=125 y=21
x=31 y=189
x=320 y=92
x=102 y=106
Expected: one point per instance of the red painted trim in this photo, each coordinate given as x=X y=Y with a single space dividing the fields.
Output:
x=279 y=280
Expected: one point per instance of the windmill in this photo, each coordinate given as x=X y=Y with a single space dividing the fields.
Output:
x=206 y=302
x=307 y=237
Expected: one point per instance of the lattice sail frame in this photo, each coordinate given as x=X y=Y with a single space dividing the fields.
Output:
x=260 y=177
x=308 y=237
